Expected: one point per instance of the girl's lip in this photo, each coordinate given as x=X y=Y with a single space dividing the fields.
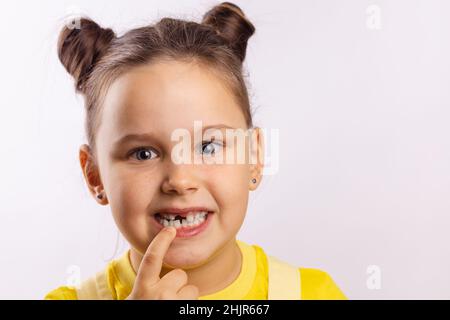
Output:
x=186 y=232
x=183 y=211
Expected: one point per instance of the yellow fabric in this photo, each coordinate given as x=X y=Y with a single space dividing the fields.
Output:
x=251 y=283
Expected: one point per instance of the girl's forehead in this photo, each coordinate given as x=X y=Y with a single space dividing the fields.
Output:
x=168 y=96
x=168 y=87
x=168 y=78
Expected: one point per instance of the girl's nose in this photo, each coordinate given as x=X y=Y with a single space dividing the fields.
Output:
x=179 y=180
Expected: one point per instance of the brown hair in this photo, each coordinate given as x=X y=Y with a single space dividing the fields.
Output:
x=95 y=57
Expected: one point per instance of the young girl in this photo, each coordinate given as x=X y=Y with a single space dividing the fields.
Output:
x=181 y=219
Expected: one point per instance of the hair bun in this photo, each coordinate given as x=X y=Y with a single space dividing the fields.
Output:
x=80 y=48
x=230 y=22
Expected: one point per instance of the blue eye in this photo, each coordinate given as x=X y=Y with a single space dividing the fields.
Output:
x=144 y=152
x=210 y=147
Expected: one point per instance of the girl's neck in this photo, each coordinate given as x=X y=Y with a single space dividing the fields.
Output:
x=213 y=276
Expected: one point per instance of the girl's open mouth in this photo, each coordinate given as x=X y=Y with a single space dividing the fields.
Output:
x=186 y=226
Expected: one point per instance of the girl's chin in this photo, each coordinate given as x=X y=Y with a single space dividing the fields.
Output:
x=182 y=264
x=184 y=259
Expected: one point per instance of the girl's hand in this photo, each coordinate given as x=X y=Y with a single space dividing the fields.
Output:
x=172 y=286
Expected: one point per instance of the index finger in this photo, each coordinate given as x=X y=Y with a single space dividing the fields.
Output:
x=151 y=264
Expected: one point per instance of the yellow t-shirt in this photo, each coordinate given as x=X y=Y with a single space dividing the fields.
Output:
x=251 y=283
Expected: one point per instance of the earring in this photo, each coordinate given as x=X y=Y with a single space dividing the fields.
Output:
x=254 y=180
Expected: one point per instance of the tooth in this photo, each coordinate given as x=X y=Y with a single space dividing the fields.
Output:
x=192 y=219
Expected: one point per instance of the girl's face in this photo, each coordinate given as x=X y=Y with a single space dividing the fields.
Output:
x=155 y=100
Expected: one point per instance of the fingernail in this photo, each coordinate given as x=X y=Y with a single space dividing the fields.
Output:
x=170 y=229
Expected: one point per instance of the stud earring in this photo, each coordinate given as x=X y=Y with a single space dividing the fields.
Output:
x=254 y=180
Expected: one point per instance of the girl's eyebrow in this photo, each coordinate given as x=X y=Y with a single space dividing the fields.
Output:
x=133 y=137
x=148 y=136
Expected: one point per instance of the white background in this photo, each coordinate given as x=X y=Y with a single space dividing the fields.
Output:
x=364 y=163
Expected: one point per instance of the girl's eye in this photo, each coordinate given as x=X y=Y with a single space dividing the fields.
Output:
x=142 y=154
x=209 y=147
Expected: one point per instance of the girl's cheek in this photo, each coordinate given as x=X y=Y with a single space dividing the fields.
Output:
x=128 y=199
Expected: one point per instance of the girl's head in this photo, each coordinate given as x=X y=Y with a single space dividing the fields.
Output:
x=148 y=83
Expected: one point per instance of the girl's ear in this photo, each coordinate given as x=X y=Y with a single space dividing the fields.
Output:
x=256 y=157
x=92 y=174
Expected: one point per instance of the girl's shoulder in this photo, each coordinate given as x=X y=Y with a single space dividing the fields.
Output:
x=316 y=284
x=319 y=285
x=68 y=292
x=62 y=293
